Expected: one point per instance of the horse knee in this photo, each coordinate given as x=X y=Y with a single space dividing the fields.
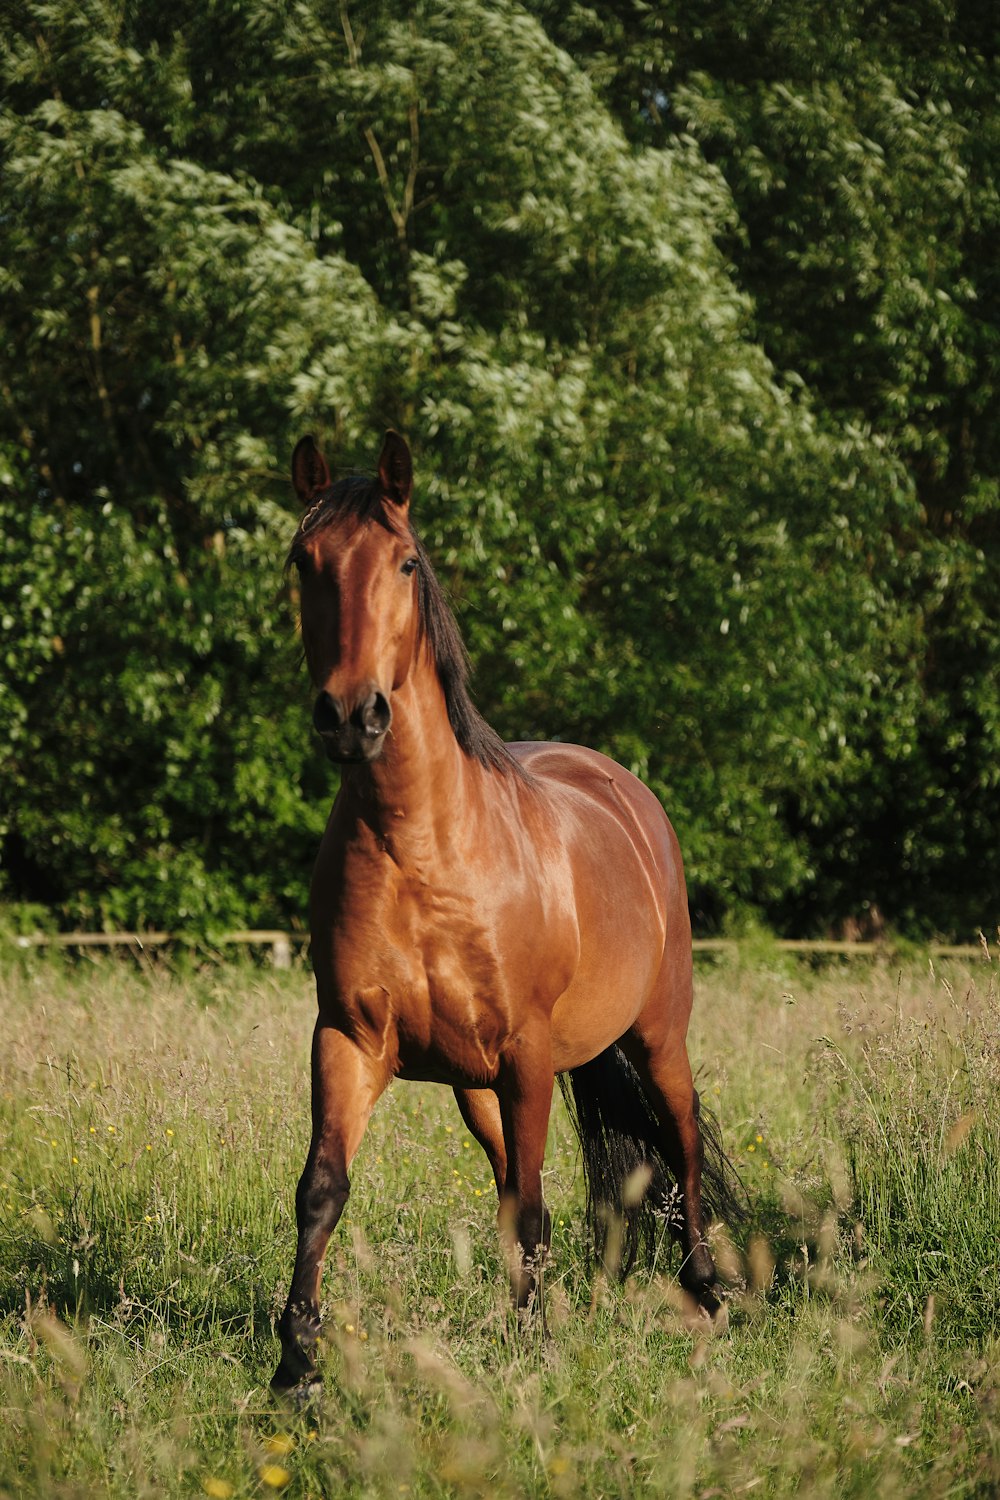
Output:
x=321 y=1195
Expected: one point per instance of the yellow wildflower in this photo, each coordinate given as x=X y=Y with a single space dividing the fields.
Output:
x=219 y=1489
x=274 y=1475
x=280 y=1443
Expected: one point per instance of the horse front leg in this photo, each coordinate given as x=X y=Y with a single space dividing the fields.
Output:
x=345 y=1087
x=481 y=1112
x=524 y=1091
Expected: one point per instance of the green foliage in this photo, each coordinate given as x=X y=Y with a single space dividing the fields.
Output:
x=859 y=147
x=692 y=332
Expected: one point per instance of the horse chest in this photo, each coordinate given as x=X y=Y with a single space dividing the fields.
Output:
x=416 y=977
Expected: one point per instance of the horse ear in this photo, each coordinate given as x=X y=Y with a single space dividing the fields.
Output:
x=309 y=471
x=395 y=469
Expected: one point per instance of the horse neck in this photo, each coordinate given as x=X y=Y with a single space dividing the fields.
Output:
x=413 y=796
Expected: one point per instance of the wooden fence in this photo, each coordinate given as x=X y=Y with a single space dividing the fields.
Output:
x=282 y=944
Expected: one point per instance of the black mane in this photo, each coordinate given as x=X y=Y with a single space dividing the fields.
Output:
x=361 y=499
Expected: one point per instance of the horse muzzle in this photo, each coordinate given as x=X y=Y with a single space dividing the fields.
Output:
x=352 y=732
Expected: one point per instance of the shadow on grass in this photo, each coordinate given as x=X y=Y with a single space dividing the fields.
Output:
x=91 y=1280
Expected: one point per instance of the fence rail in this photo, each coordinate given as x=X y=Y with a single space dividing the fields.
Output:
x=282 y=944
x=847 y=948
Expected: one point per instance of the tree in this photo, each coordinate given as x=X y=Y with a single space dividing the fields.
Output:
x=666 y=532
x=859 y=146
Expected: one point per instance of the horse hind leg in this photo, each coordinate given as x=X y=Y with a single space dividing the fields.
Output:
x=665 y=1074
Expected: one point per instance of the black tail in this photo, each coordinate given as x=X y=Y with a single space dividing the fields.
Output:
x=620 y=1135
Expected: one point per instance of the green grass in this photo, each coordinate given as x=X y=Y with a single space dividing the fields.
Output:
x=152 y=1127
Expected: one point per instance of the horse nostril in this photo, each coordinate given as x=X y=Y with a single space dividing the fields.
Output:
x=374 y=716
x=328 y=716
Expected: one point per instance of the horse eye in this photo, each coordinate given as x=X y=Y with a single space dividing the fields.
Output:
x=409 y=566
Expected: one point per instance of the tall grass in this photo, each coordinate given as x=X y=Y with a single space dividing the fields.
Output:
x=152 y=1126
x=919 y=1112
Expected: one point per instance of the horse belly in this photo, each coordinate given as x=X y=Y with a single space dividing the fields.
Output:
x=621 y=955
x=631 y=904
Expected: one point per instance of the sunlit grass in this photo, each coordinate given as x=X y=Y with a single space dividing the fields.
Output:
x=152 y=1130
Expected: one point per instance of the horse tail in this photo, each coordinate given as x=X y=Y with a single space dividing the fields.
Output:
x=631 y=1192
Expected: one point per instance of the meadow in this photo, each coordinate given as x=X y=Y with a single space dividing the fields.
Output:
x=154 y=1121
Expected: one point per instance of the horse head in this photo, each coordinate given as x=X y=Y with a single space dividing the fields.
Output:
x=357 y=561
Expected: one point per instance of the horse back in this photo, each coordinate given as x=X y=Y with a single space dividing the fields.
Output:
x=598 y=792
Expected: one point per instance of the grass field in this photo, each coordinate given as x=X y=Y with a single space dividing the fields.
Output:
x=154 y=1124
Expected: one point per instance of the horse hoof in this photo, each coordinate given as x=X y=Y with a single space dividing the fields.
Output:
x=719 y=1319
x=708 y=1317
x=300 y=1396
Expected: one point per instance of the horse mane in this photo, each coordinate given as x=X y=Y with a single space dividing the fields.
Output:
x=359 y=498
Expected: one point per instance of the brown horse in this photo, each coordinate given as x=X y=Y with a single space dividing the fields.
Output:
x=483 y=915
